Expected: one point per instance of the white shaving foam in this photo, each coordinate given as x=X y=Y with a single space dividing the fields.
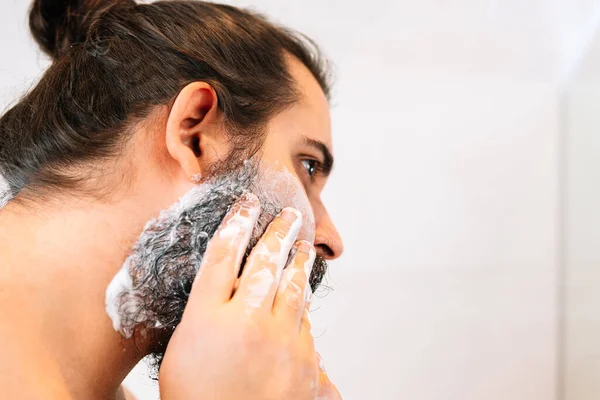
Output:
x=5 y=194
x=259 y=288
x=237 y=224
x=276 y=184
x=259 y=283
x=121 y=283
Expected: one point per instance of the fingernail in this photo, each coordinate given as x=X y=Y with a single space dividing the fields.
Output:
x=304 y=247
x=290 y=214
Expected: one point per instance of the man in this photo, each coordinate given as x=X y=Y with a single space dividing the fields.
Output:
x=84 y=296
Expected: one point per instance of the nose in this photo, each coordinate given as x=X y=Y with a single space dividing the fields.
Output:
x=328 y=242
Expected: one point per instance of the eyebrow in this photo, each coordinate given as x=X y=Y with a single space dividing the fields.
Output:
x=327 y=156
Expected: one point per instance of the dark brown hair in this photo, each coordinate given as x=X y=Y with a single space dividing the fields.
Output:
x=115 y=60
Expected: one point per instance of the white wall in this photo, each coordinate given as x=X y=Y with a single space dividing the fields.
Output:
x=581 y=338
x=446 y=127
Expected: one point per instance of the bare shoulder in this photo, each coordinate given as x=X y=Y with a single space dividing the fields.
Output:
x=26 y=370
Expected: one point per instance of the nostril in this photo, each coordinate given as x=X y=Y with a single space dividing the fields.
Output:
x=325 y=251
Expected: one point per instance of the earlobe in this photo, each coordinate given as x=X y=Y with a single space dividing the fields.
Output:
x=192 y=120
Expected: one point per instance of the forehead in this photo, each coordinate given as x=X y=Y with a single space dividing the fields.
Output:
x=310 y=114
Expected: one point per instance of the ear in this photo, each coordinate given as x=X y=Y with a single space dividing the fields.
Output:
x=193 y=129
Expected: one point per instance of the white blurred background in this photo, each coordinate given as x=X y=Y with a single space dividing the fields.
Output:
x=581 y=221
x=465 y=136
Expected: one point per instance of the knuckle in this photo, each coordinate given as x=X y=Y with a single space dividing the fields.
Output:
x=300 y=260
x=266 y=261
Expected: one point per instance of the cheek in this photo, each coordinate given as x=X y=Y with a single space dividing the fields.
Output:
x=282 y=189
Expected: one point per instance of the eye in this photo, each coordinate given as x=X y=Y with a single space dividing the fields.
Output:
x=311 y=167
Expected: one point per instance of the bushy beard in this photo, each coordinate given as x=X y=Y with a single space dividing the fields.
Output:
x=149 y=294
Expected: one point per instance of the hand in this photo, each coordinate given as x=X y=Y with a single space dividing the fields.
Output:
x=254 y=344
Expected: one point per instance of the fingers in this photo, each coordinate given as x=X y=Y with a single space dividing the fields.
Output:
x=263 y=268
x=306 y=323
x=221 y=263
x=327 y=389
x=293 y=291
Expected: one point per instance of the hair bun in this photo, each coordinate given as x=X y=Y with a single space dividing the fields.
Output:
x=57 y=24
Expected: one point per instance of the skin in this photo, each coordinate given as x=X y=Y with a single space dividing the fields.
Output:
x=272 y=356
x=59 y=252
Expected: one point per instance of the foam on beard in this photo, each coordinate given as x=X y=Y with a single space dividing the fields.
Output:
x=152 y=287
x=5 y=194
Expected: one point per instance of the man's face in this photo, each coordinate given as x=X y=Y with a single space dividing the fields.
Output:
x=150 y=293
x=300 y=140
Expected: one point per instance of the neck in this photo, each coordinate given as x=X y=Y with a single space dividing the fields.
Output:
x=56 y=261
